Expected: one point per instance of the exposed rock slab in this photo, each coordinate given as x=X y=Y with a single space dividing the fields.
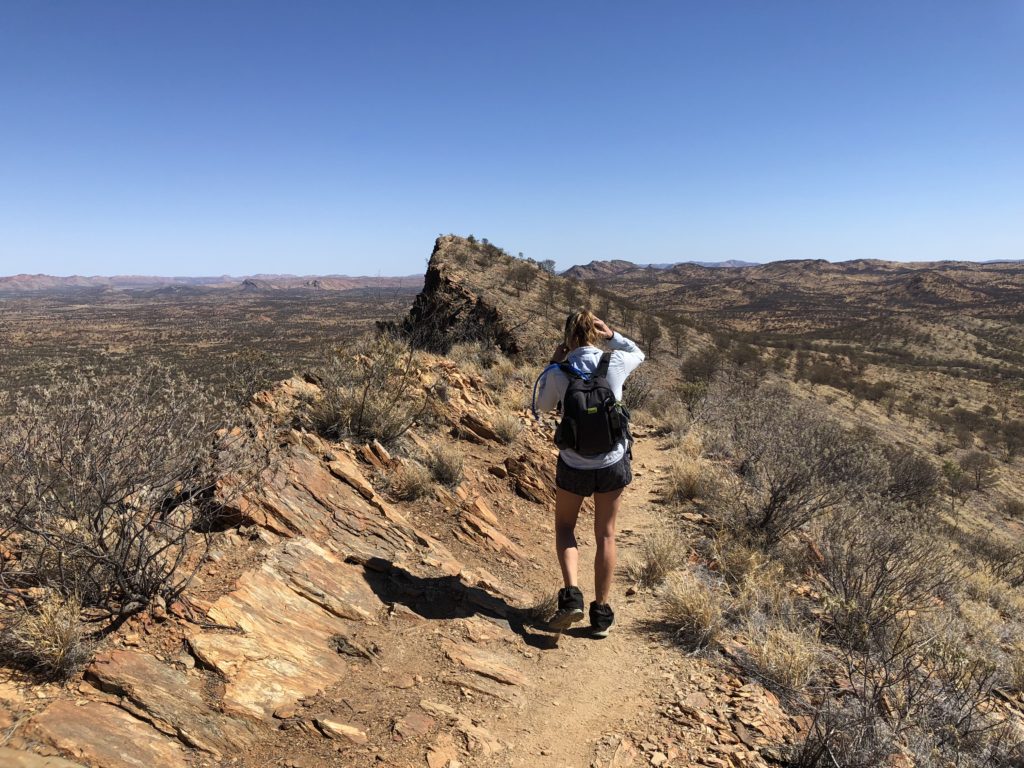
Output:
x=168 y=699
x=104 y=735
x=10 y=758
x=287 y=611
x=484 y=663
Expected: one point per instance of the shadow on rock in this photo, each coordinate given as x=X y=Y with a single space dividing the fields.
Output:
x=447 y=597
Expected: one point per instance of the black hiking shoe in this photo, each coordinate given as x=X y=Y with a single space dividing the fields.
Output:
x=570 y=608
x=602 y=619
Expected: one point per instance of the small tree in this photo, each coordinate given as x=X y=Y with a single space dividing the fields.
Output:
x=979 y=468
x=522 y=276
x=548 y=265
x=650 y=332
x=957 y=483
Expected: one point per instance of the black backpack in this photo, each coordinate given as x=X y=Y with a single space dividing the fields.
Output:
x=593 y=421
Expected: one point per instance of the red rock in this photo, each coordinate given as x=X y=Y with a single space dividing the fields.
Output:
x=483 y=663
x=102 y=734
x=171 y=701
x=10 y=758
x=413 y=723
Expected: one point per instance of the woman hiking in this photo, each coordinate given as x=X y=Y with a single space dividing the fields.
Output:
x=594 y=456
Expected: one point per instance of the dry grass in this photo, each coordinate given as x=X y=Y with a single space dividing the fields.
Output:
x=689 y=478
x=985 y=586
x=507 y=427
x=735 y=558
x=660 y=554
x=540 y=612
x=410 y=481
x=1016 y=677
x=786 y=657
x=446 y=465
x=48 y=639
x=694 y=608
x=763 y=593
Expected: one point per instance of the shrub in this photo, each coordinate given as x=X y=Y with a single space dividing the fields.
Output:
x=445 y=465
x=660 y=554
x=410 y=481
x=1013 y=508
x=701 y=365
x=103 y=480
x=46 y=638
x=374 y=395
x=694 y=608
x=879 y=566
x=913 y=479
x=796 y=463
x=507 y=427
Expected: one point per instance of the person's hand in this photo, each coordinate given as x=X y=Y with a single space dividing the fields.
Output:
x=560 y=353
x=603 y=329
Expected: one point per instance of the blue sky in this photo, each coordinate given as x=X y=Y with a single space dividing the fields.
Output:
x=236 y=136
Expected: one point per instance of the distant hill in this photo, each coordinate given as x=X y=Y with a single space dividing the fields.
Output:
x=50 y=283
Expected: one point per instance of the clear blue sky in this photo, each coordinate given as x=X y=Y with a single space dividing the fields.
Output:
x=236 y=136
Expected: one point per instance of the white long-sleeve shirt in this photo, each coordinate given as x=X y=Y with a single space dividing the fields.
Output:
x=625 y=357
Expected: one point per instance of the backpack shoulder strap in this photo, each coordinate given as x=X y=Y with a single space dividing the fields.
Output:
x=569 y=371
x=602 y=367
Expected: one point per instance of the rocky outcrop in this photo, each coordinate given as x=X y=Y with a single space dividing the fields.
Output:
x=447 y=311
x=320 y=589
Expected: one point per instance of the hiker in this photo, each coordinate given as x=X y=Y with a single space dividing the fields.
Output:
x=594 y=456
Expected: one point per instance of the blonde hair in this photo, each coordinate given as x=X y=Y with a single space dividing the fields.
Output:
x=581 y=329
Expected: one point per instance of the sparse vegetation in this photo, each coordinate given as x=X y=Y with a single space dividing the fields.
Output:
x=376 y=395
x=47 y=637
x=446 y=465
x=694 y=608
x=507 y=427
x=106 y=487
x=660 y=554
x=410 y=481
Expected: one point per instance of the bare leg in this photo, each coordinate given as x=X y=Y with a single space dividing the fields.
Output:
x=567 y=510
x=606 y=508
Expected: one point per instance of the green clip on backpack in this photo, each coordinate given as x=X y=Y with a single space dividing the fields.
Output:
x=593 y=421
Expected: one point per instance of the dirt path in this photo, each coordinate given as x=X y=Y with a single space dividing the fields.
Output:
x=585 y=692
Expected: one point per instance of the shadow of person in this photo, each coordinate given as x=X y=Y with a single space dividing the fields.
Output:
x=447 y=597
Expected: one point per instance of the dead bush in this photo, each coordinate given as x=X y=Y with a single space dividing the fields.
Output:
x=695 y=608
x=880 y=568
x=446 y=465
x=661 y=553
x=796 y=463
x=105 y=480
x=46 y=637
x=540 y=612
x=1016 y=670
x=843 y=735
x=375 y=395
x=410 y=481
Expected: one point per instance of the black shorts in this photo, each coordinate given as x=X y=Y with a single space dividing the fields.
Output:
x=585 y=482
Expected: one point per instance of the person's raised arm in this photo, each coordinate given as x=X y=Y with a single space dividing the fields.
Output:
x=631 y=355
